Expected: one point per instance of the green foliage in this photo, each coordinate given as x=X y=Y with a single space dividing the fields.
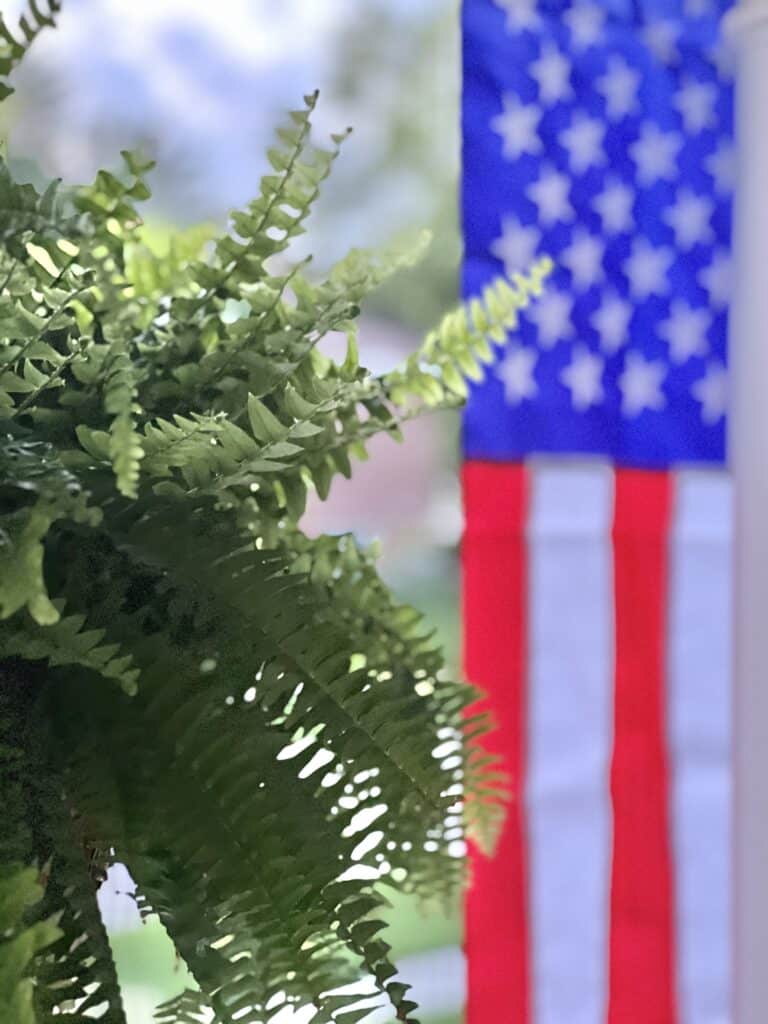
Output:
x=14 y=45
x=20 y=941
x=190 y=685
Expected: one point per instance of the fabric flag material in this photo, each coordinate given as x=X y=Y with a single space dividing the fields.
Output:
x=596 y=555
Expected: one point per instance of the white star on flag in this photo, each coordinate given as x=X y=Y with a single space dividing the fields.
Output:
x=615 y=205
x=584 y=259
x=685 y=331
x=552 y=316
x=516 y=373
x=583 y=378
x=518 y=127
x=655 y=154
x=696 y=103
x=690 y=219
x=550 y=194
x=552 y=73
x=583 y=139
x=647 y=268
x=640 y=385
x=521 y=14
x=716 y=278
x=585 y=22
x=711 y=391
x=697 y=8
x=661 y=39
x=722 y=166
x=611 y=321
x=516 y=246
x=618 y=86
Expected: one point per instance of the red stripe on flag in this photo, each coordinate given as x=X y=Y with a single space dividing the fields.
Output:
x=494 y=598
x=642 y=939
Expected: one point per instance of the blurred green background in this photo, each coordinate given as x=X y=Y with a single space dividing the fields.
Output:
x=201 y=87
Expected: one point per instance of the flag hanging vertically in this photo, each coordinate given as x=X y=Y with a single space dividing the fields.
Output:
x=596 y=548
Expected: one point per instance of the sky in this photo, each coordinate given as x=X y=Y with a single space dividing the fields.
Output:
x=200 y=84
x=190 y=79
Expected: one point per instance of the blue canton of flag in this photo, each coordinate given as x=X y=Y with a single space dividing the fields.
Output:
x=601 y=135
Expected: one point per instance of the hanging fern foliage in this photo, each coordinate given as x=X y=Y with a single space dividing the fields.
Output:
x=14 y=45
x=190 y=685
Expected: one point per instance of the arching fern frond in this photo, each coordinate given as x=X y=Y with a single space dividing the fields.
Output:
x=75 y=975
x=161 y=268
x=39 y=492
x=269 y=223
x=27 y=215
x=459 y=346
x=14 y=46
x=66 y=642
x=21 y=941
x=120 y=394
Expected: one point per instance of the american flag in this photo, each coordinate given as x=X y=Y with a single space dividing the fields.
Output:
x=596 y=550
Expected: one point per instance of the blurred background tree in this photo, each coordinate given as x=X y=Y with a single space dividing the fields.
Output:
x=397 y=77
x=200 y=87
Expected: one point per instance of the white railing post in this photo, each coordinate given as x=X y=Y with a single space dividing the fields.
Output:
x=748 y=457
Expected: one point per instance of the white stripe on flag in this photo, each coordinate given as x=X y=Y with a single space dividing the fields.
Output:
x=699 y=735
x=570 y=695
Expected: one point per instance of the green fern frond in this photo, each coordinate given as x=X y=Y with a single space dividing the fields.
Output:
x=296 y=626
x=186 y=1008
x=157 y=268
x=76 y=974
x=361 y=271
x=312 y=432
x=120 y=393
x=40 y=492
x=388 y=631
x=26 y=215
x=276 y=216
x=13 y=48
x=65 y=642
x=110 y=202
x=287 y=196
x=220 y=849
x=21 y=941
x=459 y=346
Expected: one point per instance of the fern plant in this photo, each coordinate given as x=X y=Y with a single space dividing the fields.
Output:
x=190 y=685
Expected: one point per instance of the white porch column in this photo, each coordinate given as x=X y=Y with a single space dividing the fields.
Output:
x=748 y=454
